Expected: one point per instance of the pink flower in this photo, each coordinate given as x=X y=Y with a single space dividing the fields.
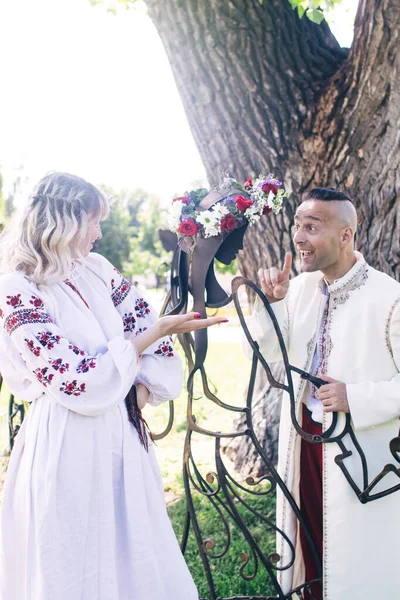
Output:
x=248 y=184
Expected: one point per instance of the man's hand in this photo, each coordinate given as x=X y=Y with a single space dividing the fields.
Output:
x=275 y=283
x=142 y=395
x=333 y=395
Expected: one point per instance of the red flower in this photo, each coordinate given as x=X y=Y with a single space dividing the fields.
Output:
x=14 y=301
x=183 y=199
x=242 y=203
x=1 y=314
x=228 y=223
x=266 y=210
x=37 y=303
x=188 y=228
x=248 y=184
x=269 y=187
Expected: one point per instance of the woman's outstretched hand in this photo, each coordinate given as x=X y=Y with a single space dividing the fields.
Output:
x=185 y=323
x=173 y=324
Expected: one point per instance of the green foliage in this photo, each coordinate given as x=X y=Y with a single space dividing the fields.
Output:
x=148 y=256
x=130 y=234
x=232 y=268
x=115 y=244
x=315 y=10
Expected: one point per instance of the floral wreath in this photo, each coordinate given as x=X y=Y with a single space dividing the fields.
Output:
x=240 y=205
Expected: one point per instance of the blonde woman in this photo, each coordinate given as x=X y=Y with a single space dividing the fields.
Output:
x=83 y=514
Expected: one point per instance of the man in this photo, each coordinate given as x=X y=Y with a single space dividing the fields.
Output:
x=341 y=321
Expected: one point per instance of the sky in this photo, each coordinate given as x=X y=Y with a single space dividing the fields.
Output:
x=93 y=94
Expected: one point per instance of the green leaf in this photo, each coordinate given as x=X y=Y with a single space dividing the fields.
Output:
x=260 y=1
x=301 y=10
x=315 y=4
x=316 y=16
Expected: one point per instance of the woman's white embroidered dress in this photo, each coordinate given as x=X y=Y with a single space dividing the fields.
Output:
x=83 y=515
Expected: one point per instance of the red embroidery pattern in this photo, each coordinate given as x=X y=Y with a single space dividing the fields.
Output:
x=165 y=349
x=31 y=345
x=85 y=365
x=129 y=322
x=71 y=285
x=47 y=339
x=37 y=302
x=41 y=375
x=58 y=365
x=1 y=314
x=25 y=316
x=121 y=292
x=141 y=308
x=14 y=301
x=71 y=388
x=76 y=350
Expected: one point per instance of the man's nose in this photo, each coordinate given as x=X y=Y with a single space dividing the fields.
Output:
x=298 y=236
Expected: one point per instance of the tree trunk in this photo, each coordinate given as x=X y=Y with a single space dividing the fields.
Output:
x=265 y=91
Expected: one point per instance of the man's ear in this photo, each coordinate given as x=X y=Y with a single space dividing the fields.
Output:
x=346 y=235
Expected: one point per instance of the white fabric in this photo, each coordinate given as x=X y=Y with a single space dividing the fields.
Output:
x=361 y=542
x=83 y=514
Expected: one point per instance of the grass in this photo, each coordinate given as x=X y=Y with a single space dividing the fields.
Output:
x=228 y=371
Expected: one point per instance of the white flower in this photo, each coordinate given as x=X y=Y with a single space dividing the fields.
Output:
x=220 y=211
x=253 y=213
x=174 y=217
x=210 y=219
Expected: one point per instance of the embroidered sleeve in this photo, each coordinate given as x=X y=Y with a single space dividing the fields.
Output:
x=160 y=366
x=85 y=383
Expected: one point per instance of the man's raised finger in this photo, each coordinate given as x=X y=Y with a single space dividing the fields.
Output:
x=287 y=265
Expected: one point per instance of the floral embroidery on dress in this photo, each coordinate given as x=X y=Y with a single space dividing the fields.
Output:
x=165 y=349
x=58 y=365
x=47 y=339
x=71 y=388
x=129 y=322
x=26 y=316
x=85 y=365
x=31 y=345
x=141 y=308
x=121 y=292
x=37 y=302
x=76 y=350
x=1 y=314
x=41 y=375
x=14 y=301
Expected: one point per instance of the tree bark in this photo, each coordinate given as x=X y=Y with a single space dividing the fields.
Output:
x=265 y=91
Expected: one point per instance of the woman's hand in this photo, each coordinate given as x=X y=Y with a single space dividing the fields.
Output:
x=186 y=323
x=173 y=324
x=142 y=395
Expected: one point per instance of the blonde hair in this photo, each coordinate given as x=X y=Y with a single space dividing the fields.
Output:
x=37 y=239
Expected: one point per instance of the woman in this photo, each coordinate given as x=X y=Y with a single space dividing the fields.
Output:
x=83 y=514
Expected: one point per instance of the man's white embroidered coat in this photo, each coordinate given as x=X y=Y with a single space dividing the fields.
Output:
x=360 y=541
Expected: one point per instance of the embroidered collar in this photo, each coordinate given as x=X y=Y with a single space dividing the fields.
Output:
x=353 y=279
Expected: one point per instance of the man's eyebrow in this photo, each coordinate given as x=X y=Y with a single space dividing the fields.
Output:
x=312 y=217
